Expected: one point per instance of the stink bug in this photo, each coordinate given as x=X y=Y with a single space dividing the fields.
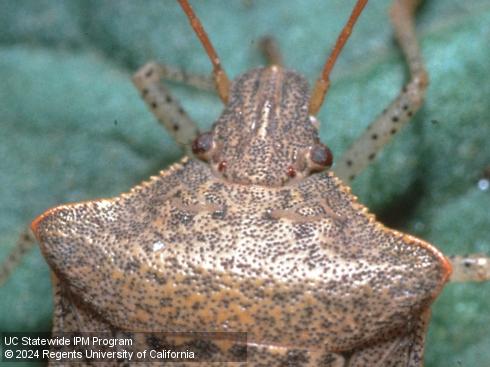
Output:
x=331 y=123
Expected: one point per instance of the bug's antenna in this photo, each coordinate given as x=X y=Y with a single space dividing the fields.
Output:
x=220 y=78
x=323 y=82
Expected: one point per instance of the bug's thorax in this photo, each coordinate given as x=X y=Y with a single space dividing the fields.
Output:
x=265 y=135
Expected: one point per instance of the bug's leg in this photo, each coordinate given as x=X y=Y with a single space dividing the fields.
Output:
x=25 y=242
x=269 y=47
x=405 y=350
x=470 y=268
x=167 y=110
x=399 y=112
x=178 y=75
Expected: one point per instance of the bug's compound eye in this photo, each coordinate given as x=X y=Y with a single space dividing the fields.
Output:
x=320 y=157
x=203 y=145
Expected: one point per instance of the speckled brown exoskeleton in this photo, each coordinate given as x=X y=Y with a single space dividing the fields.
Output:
x=299 y=264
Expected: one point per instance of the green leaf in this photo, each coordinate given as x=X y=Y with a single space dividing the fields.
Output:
x=73 y=128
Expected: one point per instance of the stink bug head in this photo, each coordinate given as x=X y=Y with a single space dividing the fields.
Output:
x=265 y=135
